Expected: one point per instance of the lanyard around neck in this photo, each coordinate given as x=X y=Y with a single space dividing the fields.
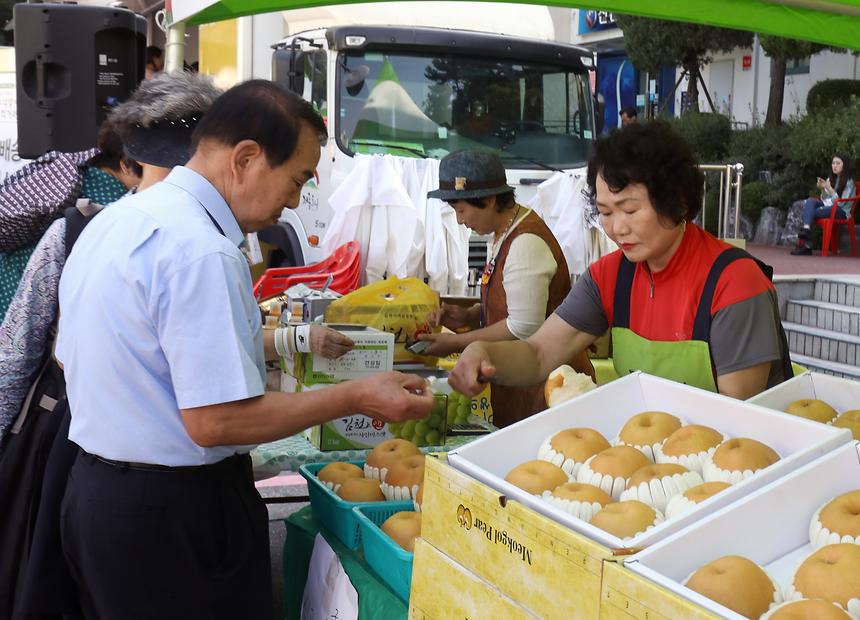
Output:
x=214 y=221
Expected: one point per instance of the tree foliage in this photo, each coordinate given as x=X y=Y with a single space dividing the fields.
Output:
x=654 y=42
x=780 y=50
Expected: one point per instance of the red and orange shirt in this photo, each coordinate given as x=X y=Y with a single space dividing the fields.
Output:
x=745 y=325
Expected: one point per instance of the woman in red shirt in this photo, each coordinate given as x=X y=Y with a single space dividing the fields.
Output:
x=680 y=303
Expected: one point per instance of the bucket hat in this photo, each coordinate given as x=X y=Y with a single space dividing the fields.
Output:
x=470 y=174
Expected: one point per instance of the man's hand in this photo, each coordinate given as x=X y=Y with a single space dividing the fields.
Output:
x=472 y=371
x=328 y=342
x=441 y=344
x=451 y=316
x=393 y=397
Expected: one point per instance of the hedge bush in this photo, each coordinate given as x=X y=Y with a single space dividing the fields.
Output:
x=815 y=138
x=829 y=93
x=708 y=134
x=760 y=149
x=755 y=196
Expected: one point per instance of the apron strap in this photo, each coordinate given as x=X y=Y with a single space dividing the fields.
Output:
x=702 y=325
x=623 y=288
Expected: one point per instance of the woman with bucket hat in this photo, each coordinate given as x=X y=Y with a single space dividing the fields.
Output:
x=523 y=282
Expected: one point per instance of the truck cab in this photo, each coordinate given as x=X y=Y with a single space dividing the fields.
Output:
x=425 y=92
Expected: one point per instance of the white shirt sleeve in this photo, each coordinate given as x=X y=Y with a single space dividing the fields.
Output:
x=528 y=271
x=210 y=331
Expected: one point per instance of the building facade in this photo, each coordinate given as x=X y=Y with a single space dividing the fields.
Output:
x=738 y=82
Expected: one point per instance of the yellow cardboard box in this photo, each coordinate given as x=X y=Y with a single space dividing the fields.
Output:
x=442 y=589
x=626 y=595
x=654 y=577
x=550 y=569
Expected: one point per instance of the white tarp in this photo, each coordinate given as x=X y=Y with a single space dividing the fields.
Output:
x=563 y=204
x=383 y=205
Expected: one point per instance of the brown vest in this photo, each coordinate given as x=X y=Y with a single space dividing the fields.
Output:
x=512 y=404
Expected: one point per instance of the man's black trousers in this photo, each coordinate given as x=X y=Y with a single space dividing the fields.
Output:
x=180 y=543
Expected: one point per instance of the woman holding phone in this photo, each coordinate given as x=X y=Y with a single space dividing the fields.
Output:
x=839 y=184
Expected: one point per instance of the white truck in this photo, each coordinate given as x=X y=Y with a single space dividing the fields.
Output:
x=424 y=92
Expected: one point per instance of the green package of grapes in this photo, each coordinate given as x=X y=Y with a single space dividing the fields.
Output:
x=358 y=431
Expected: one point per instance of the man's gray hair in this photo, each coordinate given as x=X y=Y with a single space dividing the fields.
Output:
x=166 y=96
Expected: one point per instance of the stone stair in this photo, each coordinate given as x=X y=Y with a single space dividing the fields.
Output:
x=821 y=318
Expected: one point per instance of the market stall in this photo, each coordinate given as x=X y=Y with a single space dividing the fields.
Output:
x=613 y=526
x=558 y=549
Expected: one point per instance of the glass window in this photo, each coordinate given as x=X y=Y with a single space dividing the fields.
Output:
x=797 y=67
x=315 y=81
x=534 y=114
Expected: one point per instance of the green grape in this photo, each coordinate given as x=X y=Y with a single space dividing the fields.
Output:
x=439 y=404
x=451 y=418
x=394 y=428
x=463 y=408
x=408 y=429
x=433 y=438
x=422 y=427
x=453 y=397
x=419 y=439
x=435 y=420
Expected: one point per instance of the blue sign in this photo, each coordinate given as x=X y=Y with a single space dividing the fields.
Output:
x=617 y=81
x=595 y=21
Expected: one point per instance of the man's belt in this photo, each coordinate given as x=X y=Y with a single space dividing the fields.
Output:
x=231 y=461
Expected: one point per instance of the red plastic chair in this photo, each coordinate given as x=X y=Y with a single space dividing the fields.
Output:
x=344 y=266
x=830 y=226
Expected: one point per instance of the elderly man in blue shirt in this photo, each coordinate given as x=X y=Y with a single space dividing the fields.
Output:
x=164 y=357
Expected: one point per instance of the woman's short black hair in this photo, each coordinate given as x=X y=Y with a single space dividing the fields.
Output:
x=262 y=111
x=503 y=201
x=656 y=156
x=111 y=154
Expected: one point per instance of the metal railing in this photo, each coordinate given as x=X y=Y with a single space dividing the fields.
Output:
x=731 y=180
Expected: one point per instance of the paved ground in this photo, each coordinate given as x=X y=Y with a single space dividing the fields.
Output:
x=784 y=263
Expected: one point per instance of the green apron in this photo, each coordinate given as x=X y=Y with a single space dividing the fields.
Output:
x=684 y=361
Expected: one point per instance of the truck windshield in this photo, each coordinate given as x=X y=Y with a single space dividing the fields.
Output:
x=534 y=114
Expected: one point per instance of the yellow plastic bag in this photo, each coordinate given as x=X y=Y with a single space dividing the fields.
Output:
x=395 y=305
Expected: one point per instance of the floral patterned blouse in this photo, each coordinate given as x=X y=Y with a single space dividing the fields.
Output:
x=27 y=328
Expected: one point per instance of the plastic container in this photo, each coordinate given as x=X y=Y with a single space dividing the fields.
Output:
x=388 y=559
x=335 y=514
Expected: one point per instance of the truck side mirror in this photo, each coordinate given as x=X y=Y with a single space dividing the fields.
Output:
x=599 y=112
x=288 y=69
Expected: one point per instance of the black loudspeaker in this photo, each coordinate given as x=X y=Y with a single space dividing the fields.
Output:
x=73 y=63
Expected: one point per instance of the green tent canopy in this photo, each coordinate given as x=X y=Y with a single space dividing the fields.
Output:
x=831 y=22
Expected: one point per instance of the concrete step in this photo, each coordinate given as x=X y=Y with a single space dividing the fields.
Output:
x=839 y=318
x=828 y=368
x=837 y=292
x=823 y=344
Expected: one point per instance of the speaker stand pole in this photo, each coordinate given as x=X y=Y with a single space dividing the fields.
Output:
x=174 y=53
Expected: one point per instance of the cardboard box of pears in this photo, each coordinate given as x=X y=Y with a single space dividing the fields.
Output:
x=620 y=468
x=788 y=550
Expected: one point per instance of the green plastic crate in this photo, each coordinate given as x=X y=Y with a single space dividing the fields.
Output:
x=335 y=514
x=388 y=559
